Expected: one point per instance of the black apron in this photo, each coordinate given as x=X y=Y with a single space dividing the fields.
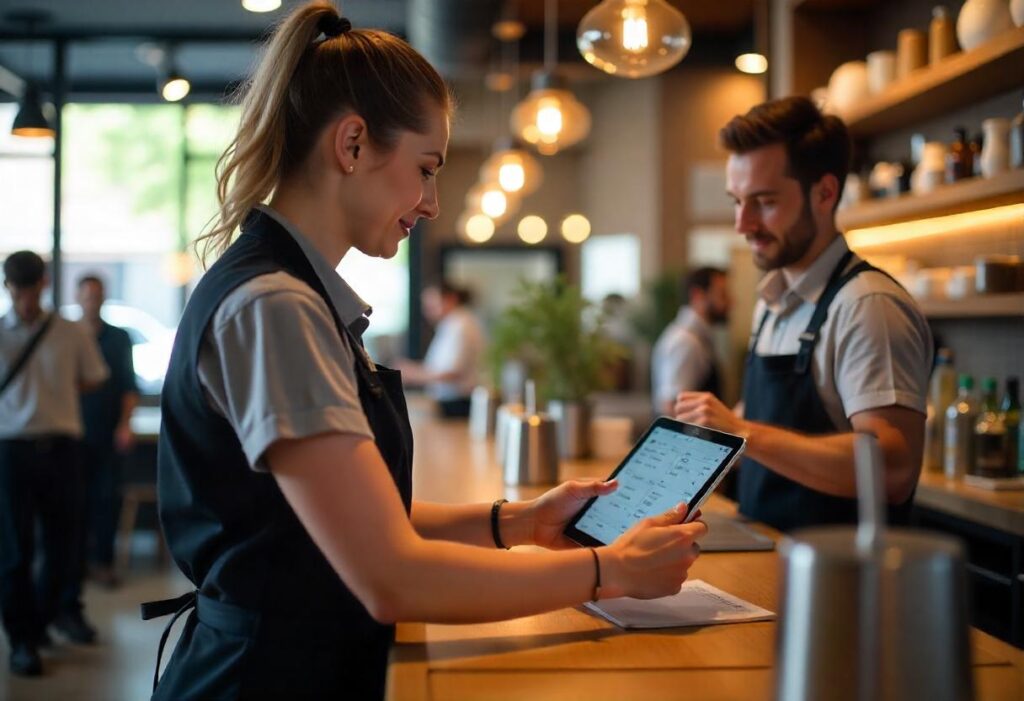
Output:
x=269 y=618
x=779 y=390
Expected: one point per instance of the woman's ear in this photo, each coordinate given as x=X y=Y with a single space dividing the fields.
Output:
x=349 y=137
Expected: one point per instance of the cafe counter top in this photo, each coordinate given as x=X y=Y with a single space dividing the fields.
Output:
x=568 y=654
x=1002 y=510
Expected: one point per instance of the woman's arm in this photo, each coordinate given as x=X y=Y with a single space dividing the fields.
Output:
x=340 y=489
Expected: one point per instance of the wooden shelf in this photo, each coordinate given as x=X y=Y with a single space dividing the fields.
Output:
x=980 y=307
x=964 y=196
x=990 y=69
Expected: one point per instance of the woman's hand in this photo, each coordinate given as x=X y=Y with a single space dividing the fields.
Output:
x=552 y=510
x=652 y=558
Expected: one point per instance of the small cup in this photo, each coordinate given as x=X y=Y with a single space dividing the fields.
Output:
x=881 y=70
x=911 y=52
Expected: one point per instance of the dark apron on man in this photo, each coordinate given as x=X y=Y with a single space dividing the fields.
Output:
x=780 y=390
x=270 y=618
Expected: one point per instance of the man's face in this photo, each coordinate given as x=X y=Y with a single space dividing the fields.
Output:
x=719 y=302
x=26 y=301
x=90 y=298
x=771 y=211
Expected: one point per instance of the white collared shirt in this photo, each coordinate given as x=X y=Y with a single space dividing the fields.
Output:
x=874 y=349
x=457 y=346
x=682 y=358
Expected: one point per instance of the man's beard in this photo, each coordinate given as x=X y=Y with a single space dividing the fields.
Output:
x=793 y=244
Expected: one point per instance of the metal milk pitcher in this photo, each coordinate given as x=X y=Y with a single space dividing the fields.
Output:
x=483 y=408
x=532 y=445
x=869 y=613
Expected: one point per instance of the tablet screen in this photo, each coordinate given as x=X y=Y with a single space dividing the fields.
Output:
x=667 y=468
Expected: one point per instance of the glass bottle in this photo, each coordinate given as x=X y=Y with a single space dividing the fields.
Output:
x=1010 y=412
x=989 y=435
x=960 y=418
x=959 y=158
x=941 y=394
x=975 y=146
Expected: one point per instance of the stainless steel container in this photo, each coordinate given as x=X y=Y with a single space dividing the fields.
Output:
x=483 y=408
x=531 y=455
x=502 y=418
x=872 y=614
x=573 y=428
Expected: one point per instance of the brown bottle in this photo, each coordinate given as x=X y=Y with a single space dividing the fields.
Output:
x=959 y=159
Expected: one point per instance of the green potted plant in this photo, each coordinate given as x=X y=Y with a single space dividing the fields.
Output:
x=556 y=334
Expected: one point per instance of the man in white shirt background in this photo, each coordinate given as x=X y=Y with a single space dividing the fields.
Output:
x=451 y=368
x=684 y=356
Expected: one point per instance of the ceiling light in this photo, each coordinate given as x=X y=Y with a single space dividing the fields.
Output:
x=550 y=117
x=633 y=38
x=175 y=87
x=532 y=229
x=515 y=170
x=575 y=228
x=30 y=120
x=477 y=227
x=490 y=199
x=754 y=64
x=261 y=5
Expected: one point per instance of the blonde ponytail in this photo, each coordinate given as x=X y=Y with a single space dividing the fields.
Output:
x=300 y=84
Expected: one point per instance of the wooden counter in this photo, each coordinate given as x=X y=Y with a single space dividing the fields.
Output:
x=1003 y=511
x=569 y=654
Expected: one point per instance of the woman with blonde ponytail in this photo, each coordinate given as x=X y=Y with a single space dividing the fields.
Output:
x=285 y=453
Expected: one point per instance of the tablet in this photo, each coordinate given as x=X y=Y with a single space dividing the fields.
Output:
x=673 y=462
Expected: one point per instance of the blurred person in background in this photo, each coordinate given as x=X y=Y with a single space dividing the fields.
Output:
x=45 y=362
x=451 y=368
x=107 y=413
x=683 y=359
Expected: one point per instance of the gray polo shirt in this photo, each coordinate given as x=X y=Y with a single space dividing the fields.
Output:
x=44 y=397
x=272 y=361
x=875 y=348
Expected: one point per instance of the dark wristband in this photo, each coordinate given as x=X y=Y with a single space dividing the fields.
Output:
x=597 y=575
x=495 y=533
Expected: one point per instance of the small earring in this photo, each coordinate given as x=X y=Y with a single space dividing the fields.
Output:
x=351 y=169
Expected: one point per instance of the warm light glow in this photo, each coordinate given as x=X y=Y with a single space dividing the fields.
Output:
x=33 y=132
x=494 y=203
x=479 y=228
x=633 y=38
x=512 y=176
x=261 y=5
x=575 y=228
x=950 y=225
x=634 y=28
x=754 y=64
x=549 y=119
x=532 y=229
x=175 y=89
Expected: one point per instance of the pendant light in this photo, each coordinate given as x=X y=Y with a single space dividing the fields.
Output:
x=173 y=86
x=261 y=5
x=633 y=38
x=475 y=226
x=30 y=120
x=514 y=170
x=550 y=118
x=489 y=199
x=575 y=228
x=532 y=229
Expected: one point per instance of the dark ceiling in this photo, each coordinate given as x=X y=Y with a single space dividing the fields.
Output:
x=216 y=40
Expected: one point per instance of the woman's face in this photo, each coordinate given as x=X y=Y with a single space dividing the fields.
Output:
x=394 y=189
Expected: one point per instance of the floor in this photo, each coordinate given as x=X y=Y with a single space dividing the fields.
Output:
x=120 y=666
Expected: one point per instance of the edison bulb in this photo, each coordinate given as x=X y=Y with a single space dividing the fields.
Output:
x=633 y=38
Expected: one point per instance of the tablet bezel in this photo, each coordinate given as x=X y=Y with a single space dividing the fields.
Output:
x=736 y=445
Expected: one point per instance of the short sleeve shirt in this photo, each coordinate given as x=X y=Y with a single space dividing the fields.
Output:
x=874 y=349
x=43 y=399
x=101 y=408
x=272 y=361
x=457 y=346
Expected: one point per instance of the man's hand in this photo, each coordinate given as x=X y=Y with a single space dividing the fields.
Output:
x=704 y=409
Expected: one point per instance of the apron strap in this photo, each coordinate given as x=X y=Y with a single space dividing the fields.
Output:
x=836 y=281
x=165 y=607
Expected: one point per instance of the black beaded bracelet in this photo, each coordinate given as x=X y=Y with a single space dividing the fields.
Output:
x=597 y=575
x=495 y=533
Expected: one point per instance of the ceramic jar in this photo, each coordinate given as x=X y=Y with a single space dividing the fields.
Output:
x=1017 y=12
x=848 y=86
x=980 y=20
x=911 y=52
x=881 y=70
x=995 y=154
x=931 y=171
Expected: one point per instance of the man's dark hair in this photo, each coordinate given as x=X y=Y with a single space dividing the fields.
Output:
x=815 y=143
x=700 y=278
x=24 y=269
x=463 y=295
x=91 y=278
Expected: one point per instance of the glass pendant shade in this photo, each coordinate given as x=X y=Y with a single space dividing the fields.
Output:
x=515 y=170
x=532 y=229
x=550 y=118
x=575 y=228
x=30 y=120
x=175 y=87
x=633 y=38
x=488 y=198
